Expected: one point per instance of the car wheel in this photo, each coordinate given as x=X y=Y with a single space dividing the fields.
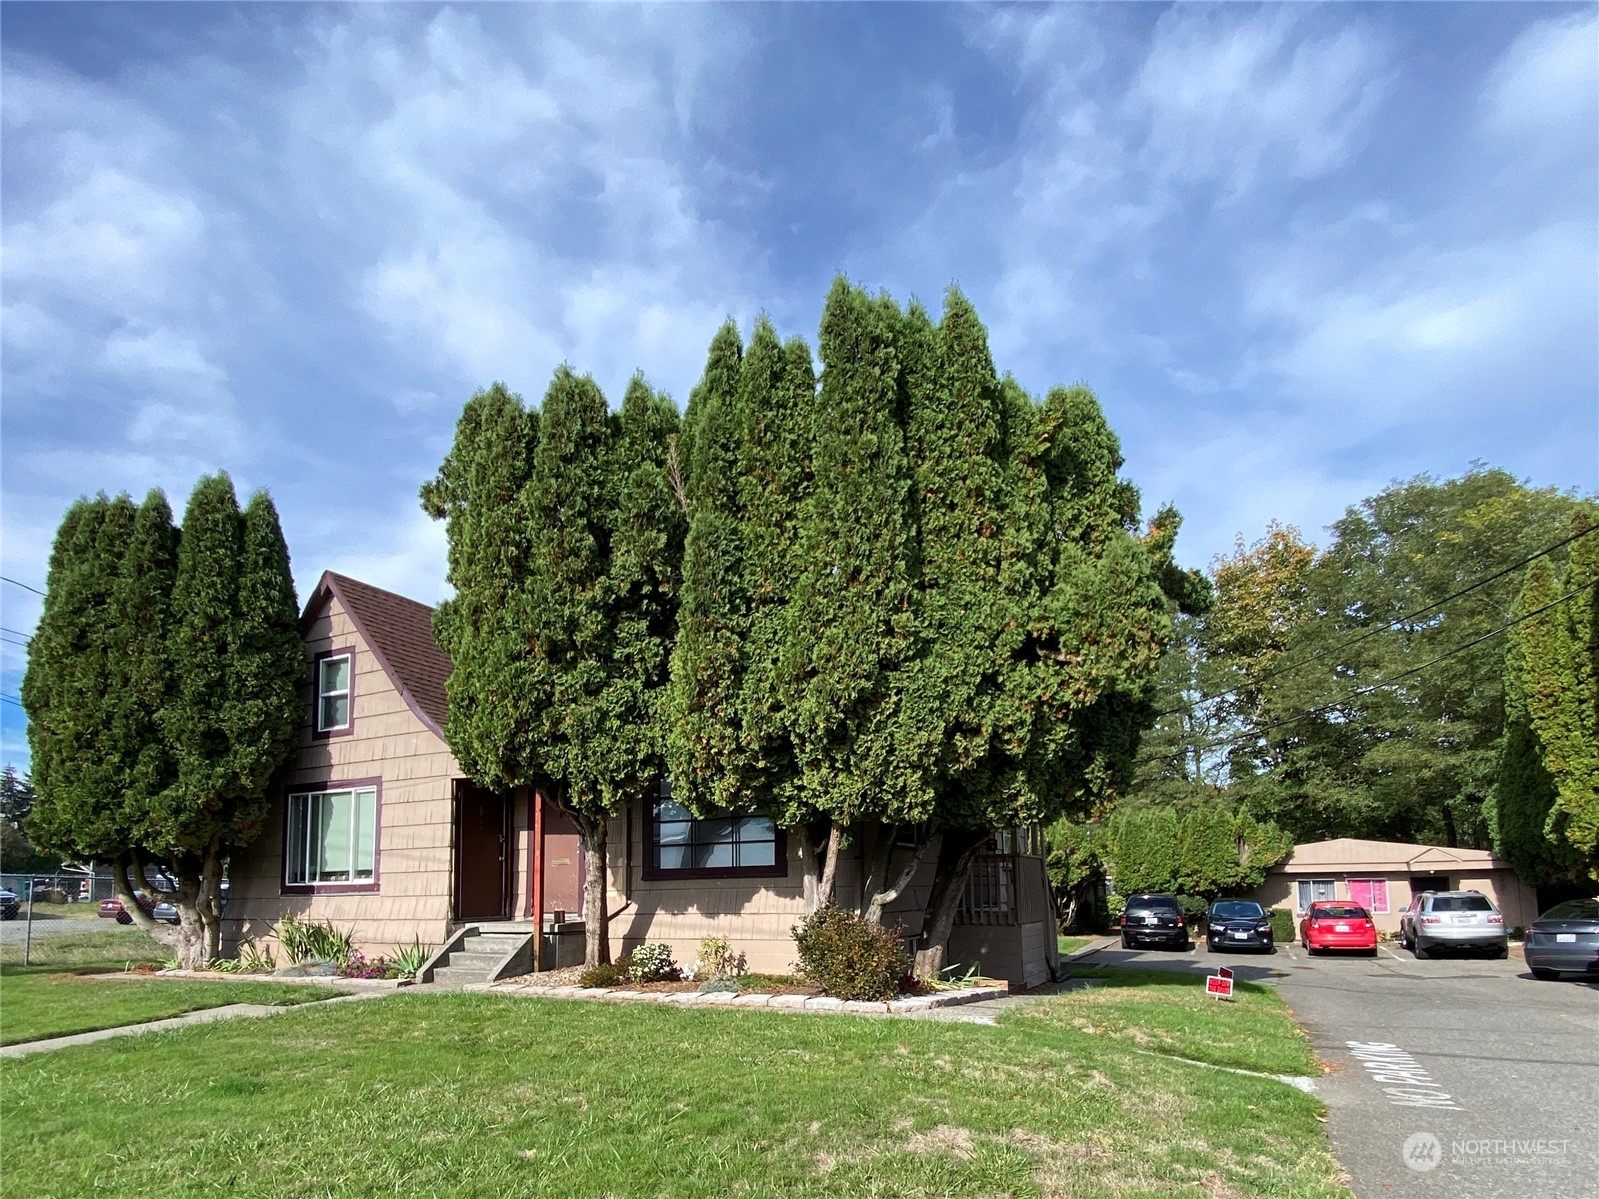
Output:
x=1271 y=947
x=1545 y=975
x=1419 y=950
x=1404 y=939
x=124 y=918
x=1502 y=952
x=1126 y=944
x=1312 y=950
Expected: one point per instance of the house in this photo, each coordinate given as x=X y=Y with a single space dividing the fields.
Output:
x=374 y=827
x=1381 y=876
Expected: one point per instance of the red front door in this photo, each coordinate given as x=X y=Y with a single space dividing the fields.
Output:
x=482 y=841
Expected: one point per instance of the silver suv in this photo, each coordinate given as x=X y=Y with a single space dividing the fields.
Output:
x=1454 y=920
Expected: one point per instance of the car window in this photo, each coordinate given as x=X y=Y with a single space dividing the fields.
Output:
x=1152 y=905
x=1573 y=909
x=1461 y=903
x=1341 y=911
x=1237 y=910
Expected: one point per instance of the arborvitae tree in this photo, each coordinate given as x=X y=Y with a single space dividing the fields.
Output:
x=232 y=711
x=484 y=628
x=854 y=627
x=1560 y=686
x=1145 y=850
x=1528 y=829
x=1209 y=859
x=69 y=693
x=706 y=744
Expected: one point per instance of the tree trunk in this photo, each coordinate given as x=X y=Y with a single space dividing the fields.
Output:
x=956 y=853
x=596 y=925
x=172 y=939
x=884 y=896
x=877 y=849
x=809 y=875
x=827 y=889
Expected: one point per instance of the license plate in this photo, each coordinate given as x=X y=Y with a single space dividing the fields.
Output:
x=1241 y=936
x=1340 y=928
x=1465 y=920
x=1151 y=919
x=1566 y=938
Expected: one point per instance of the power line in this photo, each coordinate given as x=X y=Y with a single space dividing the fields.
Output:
x=17 y=633
x=23 y=644
x=1398 y=620
x=11 y=699
x=24 y=586
x=1370 y=687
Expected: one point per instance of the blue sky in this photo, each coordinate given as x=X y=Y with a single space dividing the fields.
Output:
x=1298 y=251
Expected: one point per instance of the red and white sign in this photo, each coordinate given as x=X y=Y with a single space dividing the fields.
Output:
x=1224 y=971
x=1220 y=986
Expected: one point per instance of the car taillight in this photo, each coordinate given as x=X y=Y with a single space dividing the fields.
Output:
x=1496 y=918
x=1179 y=922
x=1124 y=917
x=1432 y=919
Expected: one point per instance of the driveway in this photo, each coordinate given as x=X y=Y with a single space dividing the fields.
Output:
x=1454 y=1077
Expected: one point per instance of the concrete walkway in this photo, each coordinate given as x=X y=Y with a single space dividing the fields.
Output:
x=231 y=1011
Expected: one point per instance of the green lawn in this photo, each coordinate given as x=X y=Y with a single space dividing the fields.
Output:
x=1073 y=944
x=45 y=1001
x=437 y=1094
x=1169 y=1012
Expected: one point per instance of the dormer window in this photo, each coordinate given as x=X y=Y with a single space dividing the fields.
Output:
x=333 y=693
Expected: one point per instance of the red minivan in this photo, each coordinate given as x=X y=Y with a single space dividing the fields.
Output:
x=1337 y=924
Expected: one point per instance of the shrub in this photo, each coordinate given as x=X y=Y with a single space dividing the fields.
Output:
x=717 y=959
x=1116 y=905
x=720 y=984
x=304 y=942
x=361 y=966
x=652 y=963
x=255 y=960
x=1193 y=908
x=606 y=974
x=410 y=959
x=850 y=958
x=1283 y=927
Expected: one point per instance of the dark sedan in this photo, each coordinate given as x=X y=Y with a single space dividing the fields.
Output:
x=1565 y=938
x=1238 y=924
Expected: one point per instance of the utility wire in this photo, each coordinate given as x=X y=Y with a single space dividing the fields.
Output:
x=23 y=644
x=24 y=586
x=11 y=699
x=17 y=633
x=1398 y=620
x=1370 y=687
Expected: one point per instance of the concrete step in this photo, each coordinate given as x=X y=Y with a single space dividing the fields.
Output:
x=494 y=945
x=473 y=960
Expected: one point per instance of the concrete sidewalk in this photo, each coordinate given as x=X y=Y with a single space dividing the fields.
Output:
x=231 y=1011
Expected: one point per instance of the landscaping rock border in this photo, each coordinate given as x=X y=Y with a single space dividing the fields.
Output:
x=326 y=980
x=909 y=1005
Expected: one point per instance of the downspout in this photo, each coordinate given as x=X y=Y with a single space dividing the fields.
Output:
x=536 y=835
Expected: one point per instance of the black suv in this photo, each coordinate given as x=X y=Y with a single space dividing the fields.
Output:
x=1153 y=919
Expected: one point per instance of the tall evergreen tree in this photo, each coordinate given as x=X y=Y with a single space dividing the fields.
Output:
x=69 y=693
x=481 y=494
x=232 y=711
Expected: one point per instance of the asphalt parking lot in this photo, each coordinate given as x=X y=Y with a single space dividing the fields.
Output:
x=1452 y=1077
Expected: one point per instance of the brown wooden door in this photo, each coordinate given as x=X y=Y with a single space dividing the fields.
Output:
x=482 y=844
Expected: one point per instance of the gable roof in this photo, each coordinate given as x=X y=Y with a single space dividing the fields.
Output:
x=399 y=632
x=1356 y=853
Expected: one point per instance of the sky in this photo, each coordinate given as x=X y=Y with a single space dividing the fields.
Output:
x=1297 y=251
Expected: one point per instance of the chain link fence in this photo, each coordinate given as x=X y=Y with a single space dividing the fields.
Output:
x=54 y=919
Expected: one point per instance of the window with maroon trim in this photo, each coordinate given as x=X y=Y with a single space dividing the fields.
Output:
x=331 y=838
x=682 y=845
x=333 y=679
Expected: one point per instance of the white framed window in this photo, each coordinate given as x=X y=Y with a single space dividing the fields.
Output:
x=1312 y=889
x=333 y=693
x=1369 y=893
x=332 y=837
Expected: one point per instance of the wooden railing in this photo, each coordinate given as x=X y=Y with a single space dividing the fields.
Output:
x=990 y=896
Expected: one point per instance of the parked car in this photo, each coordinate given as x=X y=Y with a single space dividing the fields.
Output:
x=1455 y=920
x=1238 y=924
x=1566 y=937
x=1153 y=918
x=10 y=905
x=111 y=909
x=1337 y=924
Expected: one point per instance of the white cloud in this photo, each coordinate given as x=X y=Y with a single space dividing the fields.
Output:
x=1547 y=82
x=1228 y=100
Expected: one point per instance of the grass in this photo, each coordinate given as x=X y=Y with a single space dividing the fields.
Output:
x=1073 y=944
x=1169 y=1012
x=43 y=1001
x=457 y=1095
x=104 y=942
